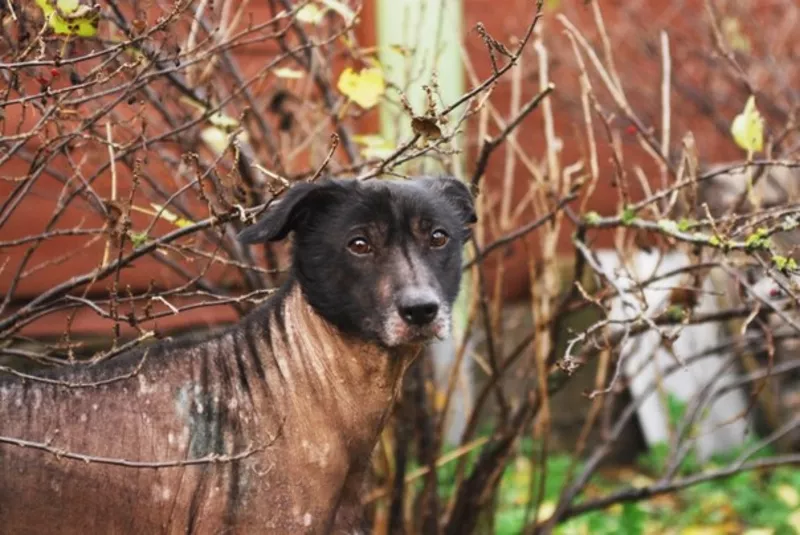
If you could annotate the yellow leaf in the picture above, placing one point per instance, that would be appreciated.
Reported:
(700, 530)
(374, 146)
(439, 399)
(640, 481)
(223, 121)
(794, 521)
(215, 138)
(729, 528)
(546, 510)
(732, 30)
(748, 127)
(341, 8)
(364, 87)
(616, 509)
(218, 138)
(287, 73)
(402, 50)
(311, 14)
(165, 214)
(218, 119)
(788, 495)
(70, 17)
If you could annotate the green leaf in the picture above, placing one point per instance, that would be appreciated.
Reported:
(592, 218)
(138, 239)
(676, 409)
(758, 240)
(70, 17)
(633, 518)
(676, 313)
(748, 127)
(685, 224)
(628, 215)
(783, 263)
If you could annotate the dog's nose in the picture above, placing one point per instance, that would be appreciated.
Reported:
(418, 309)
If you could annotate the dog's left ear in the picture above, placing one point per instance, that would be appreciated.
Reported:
(290, 212)
(457, 193)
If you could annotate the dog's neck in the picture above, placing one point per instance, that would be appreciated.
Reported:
(354, 382)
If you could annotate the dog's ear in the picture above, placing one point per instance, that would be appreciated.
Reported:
(457, 193)
(288, 213)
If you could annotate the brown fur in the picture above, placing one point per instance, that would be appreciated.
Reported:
(284, 381)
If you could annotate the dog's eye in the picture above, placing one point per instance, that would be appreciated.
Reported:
(439, 238)
(359, 246)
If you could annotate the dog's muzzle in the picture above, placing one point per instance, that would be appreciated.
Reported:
(418, 316)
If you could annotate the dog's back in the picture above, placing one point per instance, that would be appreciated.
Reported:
(267, 426)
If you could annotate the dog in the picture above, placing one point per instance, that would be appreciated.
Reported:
(268, 425)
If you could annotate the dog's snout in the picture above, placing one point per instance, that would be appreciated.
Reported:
(419, 313)
(418, 308)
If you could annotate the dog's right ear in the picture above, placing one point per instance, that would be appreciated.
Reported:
(456, 192)
(288, 213)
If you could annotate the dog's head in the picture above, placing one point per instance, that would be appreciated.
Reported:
(379, 259)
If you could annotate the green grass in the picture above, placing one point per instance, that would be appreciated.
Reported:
(768, 500)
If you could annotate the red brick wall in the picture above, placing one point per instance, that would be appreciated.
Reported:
(703, 77)
(66, 256)
(633, 28)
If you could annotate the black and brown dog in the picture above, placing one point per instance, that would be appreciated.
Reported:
(291, 400)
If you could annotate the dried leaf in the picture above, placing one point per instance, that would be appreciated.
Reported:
(364, 87)
(748, 127)
(139, 26)
(426, 127)
(70, 17)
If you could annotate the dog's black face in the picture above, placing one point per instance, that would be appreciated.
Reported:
(379, 259)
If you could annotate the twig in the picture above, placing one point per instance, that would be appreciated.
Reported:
(489, 145)
(126, 463)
